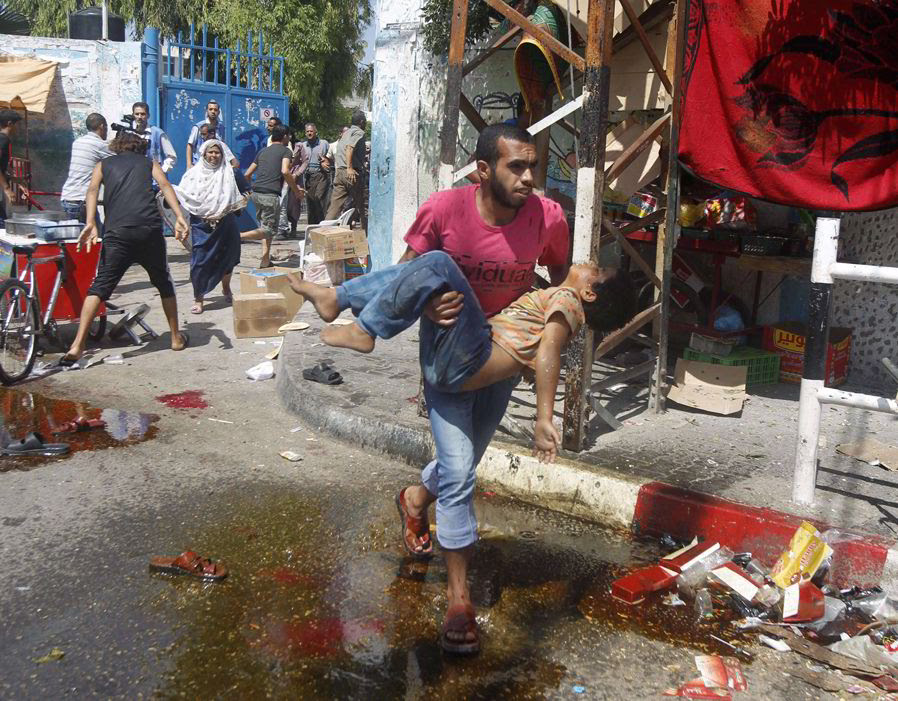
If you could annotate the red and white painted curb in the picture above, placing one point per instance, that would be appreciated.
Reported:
(622, 501)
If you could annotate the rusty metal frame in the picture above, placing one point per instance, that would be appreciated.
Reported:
(595, 66)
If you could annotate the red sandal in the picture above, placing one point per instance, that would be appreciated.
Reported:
(461, 621)
(190, 564)
(420, 530)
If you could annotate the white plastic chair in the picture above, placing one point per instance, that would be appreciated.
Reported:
(343, 220)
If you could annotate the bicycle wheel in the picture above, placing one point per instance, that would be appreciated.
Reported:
(18, 326)
(97, 328)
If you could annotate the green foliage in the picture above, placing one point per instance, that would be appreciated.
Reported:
(437, 20)
(320, 40)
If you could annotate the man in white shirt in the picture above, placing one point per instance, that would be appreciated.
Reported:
(87, 151)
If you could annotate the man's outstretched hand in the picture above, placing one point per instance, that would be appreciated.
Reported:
(546, 441)
(443, 310)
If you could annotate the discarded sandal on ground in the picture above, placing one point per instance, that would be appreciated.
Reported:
(323, 373)
(189, 564)
(461, 621)
(33, 444)
(420, 530)
(79, 424)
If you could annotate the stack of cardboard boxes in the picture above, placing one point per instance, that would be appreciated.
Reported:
(265, 303)
(344, 250)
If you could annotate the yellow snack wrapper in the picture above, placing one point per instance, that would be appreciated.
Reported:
(807, 550)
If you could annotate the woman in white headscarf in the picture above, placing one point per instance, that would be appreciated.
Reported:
(211, 191)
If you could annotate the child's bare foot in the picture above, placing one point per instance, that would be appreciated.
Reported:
(324, 299)
(180, 342)
(349, 336)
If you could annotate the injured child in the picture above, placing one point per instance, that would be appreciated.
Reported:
(475, 351)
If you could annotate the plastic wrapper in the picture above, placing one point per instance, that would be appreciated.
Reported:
(262, 371)
(735, 213)
(803, 557)
(704, 607)
(878, 606)
(864, 648)
(693, 578)
(691, 213)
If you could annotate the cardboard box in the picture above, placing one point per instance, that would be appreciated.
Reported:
(684, 558)
(718, 389)
(274, 281)
(788, 340)
(338, 242)
(259, 315)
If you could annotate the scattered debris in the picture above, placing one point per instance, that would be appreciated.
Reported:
(262, 371)
(221, 421)
(290, 455)
(341, 322)
(778, 645)
(53, 656)
(110, 360)
(717, 389)
(871, 451)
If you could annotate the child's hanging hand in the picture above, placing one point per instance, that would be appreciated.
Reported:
(546, 440)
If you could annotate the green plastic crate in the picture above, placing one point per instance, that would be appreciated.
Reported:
(763, 366)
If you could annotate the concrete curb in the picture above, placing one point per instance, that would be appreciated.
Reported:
(585, 490)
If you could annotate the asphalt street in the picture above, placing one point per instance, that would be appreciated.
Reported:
(319, 602)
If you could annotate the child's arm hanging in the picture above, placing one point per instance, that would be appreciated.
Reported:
(546, 439)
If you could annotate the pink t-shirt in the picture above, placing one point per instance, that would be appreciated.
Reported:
(497, 260)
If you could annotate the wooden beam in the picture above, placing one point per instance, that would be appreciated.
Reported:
(647, 45)
(467, 109)
(624, 375)
(540, 34)
(588, 216)
(569, 128)
(632, 252)
(669, 231)
(631, 153)
(615, 338)
(657, 13)
(491, 49)
(643, 222)
(449, 132)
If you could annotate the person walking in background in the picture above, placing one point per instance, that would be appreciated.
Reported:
(160, 149)
(133, 234)
(310, 159)
(211, 191)
(271, 169)
(8, 120)
(212, 127)
(349, 159)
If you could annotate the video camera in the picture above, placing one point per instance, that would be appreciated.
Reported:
(129, 127)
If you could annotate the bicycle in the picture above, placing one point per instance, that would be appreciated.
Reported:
(20, 321)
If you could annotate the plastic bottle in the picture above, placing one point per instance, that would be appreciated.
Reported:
(691, 580)
(704, 607)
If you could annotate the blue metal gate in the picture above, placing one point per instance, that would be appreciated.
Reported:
(247, 82)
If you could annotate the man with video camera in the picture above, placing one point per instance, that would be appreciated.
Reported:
(133, 233)
(160, 149)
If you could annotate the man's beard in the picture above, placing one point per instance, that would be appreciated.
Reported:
(502, 196)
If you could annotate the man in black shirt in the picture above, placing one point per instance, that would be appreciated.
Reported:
(8, 121)
(133, 233)
(271, 169)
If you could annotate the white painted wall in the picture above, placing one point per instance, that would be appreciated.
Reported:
(92, 76)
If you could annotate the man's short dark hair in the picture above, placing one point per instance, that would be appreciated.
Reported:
(140, 104)
(309, 124)
(212, 101)
(615, 302)
(276, 120)
(8, 116)
(488, 141)
(278, 133)
(126, 141)
(94, 121)
(358, 119)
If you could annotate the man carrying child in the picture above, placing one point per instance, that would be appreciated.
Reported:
(491, 236)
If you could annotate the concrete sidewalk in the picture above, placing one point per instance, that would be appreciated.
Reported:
(683, 472)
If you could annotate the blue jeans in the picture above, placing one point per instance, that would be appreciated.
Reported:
(77, 209)
(390, 300)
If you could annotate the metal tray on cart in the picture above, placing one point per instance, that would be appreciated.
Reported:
(40, 229)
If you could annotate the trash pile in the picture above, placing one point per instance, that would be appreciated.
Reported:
(793, 606)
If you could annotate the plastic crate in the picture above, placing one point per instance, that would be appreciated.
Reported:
(763, 367)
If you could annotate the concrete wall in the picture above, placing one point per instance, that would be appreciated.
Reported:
(92, 76)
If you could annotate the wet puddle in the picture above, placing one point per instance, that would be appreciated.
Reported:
(22, 412)
(320, 607)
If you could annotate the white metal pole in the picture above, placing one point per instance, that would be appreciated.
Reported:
(105, 21)
(826, 244)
